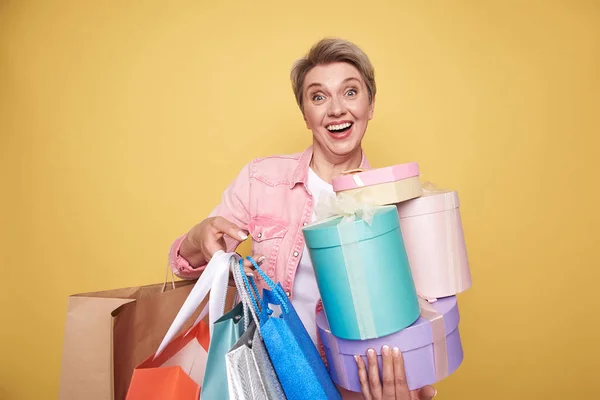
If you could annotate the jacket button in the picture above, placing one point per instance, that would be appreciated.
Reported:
(287, 293)
(259, 235)
(295, 254)
(306, 223)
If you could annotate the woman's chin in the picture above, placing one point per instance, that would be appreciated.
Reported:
(343, 149)
(338, 148)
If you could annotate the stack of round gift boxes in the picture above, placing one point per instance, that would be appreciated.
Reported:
(389, 275)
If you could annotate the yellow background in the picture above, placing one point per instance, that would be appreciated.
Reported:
(121, 123)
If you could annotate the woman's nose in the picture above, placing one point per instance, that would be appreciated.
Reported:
(336, 107)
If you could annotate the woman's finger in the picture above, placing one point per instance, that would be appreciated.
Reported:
(373, 373)
(425, 393)
(389, 392)
(249, 271)
(362, 377)
(400, 383)
(221, 225)
(249, 267)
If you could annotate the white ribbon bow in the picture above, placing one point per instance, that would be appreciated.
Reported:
(345, 205)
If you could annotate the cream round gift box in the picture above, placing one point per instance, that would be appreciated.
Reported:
(435, 244)
(431, 347)
(381, 186)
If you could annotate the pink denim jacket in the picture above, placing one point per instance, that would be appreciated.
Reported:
(270, 200)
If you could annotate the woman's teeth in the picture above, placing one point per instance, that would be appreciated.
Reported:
(340, 127)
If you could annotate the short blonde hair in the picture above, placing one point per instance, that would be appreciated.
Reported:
(330, 50)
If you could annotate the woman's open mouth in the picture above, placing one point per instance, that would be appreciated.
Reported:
(340, 131)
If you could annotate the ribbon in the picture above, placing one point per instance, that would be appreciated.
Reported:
(355, 177)
(438, 333)
(357, 280)
(331, 207)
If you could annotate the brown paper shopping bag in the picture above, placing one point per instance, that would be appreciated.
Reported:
(155, 378)
(108, 333)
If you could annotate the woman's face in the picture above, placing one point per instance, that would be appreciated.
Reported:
(336, 107)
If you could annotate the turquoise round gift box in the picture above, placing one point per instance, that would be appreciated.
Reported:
(363, 274)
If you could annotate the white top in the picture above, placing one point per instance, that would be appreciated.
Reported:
(306, 292)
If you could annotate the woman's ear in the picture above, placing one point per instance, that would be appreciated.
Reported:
(372, 108)
(306, 120)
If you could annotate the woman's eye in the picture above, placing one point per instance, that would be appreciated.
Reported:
(351, 92)
(318, 97)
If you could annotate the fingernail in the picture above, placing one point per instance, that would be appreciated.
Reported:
(371, 352)
(386, 350)
(427, 392)
(356, 358)
(242, 235)
(250, 274)
(261, 259)
(396, 351)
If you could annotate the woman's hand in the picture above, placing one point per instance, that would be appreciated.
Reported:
(394, 378)
(208, 237)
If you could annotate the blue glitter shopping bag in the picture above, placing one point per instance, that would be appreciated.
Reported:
(294, 356)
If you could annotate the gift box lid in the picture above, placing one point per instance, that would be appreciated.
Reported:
(325, 233)
(430, 202)
(358, 178)
(417, 335)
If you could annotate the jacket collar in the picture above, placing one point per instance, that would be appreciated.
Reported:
(300, 174)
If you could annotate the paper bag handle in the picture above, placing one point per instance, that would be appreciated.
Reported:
(214, 278)
(167, 277)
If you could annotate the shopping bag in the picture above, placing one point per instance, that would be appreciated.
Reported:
(290, 347)
(226, 332)
(194, 361)
(177, 372)
(250, 373)
(108, 333)
(214, 279)
(167, 383)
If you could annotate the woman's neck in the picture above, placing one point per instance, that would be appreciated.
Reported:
(328, 167)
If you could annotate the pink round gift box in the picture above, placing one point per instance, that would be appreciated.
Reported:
(376, 176)
(435, 244)
(415, 343)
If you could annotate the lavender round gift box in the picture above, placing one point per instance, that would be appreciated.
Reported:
(415, 342)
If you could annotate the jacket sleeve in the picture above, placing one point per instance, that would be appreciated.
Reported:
(234, 207)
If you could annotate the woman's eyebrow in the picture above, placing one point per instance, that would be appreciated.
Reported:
(351, 79)
(313, 85)
(316, 84)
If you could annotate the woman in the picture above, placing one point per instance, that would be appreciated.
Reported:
(273, 198)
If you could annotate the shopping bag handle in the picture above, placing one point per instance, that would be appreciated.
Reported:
(167, 278)
(246, 297)
(276, 289)
(214, 278)
(252, 292)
